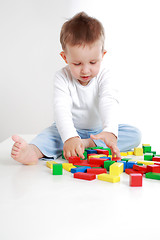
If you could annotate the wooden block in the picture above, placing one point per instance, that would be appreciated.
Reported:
(152, 175)
(145, 162)
(108, 178)
(153, 168)
(130, 153)
(85, 176)
(74, 160)
(68, 166)
(136, 180)
(138, 151)
(96, 170)
(123, 154)
(50, 164)
(116, 168)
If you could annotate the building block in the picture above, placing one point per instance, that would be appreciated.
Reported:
(138, 151)
(156, 159)
(124, 165)
(145, 145)
(108, 149)
(50, 164)
(152, 175)
(96, 156)
(107, 158)
(136, 180)
(130, 153)
(57, 169)
(102, 151)
(116, 159)
(84, 176)
(126, 159)
(116, 169)
(108, 178)
(96, 170)
(146, 149)
(145, 162)
(91, 151)
(99, 161)
(68, 166)
(107, 164)
(130, 170)
(148, 156)
(153, 168)
(74, 160)
(79, 169)
(141, 169)
(123, 154)
(130, 164)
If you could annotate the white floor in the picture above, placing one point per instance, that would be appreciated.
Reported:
(34, 204)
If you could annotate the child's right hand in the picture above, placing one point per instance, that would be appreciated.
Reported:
(72, 147)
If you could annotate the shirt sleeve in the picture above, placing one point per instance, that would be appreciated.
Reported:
(108, 103)
(62, 107)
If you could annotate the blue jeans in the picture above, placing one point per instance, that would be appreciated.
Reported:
(50, 143)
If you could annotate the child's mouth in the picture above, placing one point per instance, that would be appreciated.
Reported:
(85, 77)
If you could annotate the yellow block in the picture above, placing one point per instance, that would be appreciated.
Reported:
(138, 151)
(145, 145)
(97, 156)
(123, 154)
(130, 153)
(108, 178)
(116, 168)
(110, 156)
(50, 164)
(145, 162)
(68, 166)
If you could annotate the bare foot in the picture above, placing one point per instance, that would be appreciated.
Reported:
(23, 152)
(88, 143)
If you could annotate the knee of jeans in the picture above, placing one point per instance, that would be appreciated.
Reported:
(137, 136)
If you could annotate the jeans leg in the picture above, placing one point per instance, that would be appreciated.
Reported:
(49, 142)
(128, 137)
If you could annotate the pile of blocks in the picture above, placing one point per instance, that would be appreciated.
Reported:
(100, 164)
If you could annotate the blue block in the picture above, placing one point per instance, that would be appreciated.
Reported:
(107, 158)
(124, 165)
(91, 151)
(130, 164)
(79, 169)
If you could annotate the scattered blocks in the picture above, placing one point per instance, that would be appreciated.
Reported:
(153, 168)
(96, 170)
(79, 169)
(108, 178)
(135, 180)
(141, 169)
(68, 166)
(84, 176)
(74, 160)
(116, 168)
(138, 151)
(145, 162)
(57, 169)
(107, 164)
(130, 164)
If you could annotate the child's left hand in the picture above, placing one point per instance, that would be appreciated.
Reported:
(110, 140)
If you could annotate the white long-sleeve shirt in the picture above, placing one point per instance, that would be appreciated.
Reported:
(84, 107)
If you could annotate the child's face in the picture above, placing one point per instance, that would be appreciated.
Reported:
(84, 61)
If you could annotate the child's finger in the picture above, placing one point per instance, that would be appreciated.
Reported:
(80, 152)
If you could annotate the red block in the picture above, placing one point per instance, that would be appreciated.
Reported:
(141, 169)
(85, 176)
(153, 168)
(74, 160)
(129, 171)
(156, 159)
(136, 180)
(96, 170)
(116, 159)
(101, 151)
(98, 161)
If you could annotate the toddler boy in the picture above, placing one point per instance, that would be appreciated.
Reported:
(85, 105)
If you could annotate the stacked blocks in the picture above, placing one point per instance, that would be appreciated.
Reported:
(101, 165)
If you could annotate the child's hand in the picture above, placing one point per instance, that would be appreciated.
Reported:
(72, 147)
(110, 140)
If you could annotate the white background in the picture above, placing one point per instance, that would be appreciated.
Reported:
(29, 56)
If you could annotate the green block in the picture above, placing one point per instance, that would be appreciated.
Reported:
(107, 164)
(152, 175)
(140, 164)
(97, 148)
(85, 155)
(126, 159)
(57, 169)
(63, 155)
(154, 153)
(148, 156)
(146, 149)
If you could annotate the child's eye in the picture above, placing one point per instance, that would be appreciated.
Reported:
(76, 64)
(92, 62)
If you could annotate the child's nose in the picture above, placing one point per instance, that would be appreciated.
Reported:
(85, 69)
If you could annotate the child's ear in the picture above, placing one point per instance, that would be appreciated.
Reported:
(63, 55)
(104, 52)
